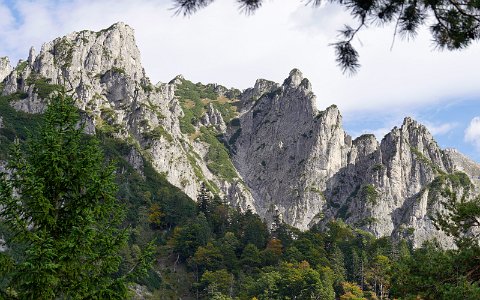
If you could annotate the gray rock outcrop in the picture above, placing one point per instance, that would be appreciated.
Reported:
(299, 162)
(103, 70)
(287, 149)
(214, 118)
(290, 159)
(5, 68)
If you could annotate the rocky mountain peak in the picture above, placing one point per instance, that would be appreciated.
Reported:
(90, 53)
(295, 98)
(31, 56)
(263, 86)
(288, 157)
(416, 130)
(295, 80)
(87, 62)
(283, 136)
(332, 115)
(177, 80)
(410, 124)
(5, 68)
(104, 71)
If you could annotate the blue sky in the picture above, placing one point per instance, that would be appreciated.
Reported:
(221, 45)
(447, 121)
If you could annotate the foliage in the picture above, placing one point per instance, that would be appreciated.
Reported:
(42, 86)
(195, 98)
(292, 281)
(212, 249)
(378, 275)
(155, 217)
(186, 239)
(218, 159)
(453, 24)
(16, 124)
(208, 257)
(137, 191)
(351, 291)
(217, 282)
(251, 262)
(444, 183)
(190, 96)
(21, 66)
(195, 92)
(433, 273)
(64, 212)
(157, 133)
(462, 221)
(226, 109)
(369, 194)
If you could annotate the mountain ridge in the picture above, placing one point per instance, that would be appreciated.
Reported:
(266, 148)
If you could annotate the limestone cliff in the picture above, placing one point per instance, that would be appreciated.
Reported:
(267, 148)
(287, 150)
(5, 68)
(103, 71)
(299, 162)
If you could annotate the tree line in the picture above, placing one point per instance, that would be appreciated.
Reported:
(75, 229)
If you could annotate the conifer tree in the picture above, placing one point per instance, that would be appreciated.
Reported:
(203, 199)
(58, 202)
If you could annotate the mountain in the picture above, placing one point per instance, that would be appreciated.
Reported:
(267, 148)
(300, 162)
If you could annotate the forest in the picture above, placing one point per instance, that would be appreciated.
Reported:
(80, 222)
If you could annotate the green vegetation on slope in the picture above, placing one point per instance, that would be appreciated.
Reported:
(441, 185)
(15, 124)
(369, 194)
(43, 87)
(195, 98)
(218, 160)
(59, 204)
(212, 251)
(136, 192)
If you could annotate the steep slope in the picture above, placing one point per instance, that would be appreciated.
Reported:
(391, 187)
(287, 150)
(300, 163)
(267, 148)
(5, 67)
(103, 70)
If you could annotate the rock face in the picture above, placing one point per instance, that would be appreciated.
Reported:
(287, 149)
(5, 67)
(299, 161)
(104, 71)
(288, 157)
(214, 118)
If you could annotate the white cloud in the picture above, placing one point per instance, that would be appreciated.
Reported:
(6, 18)
(472, 133)
(381, 132)
(440, 129)
(219, 44)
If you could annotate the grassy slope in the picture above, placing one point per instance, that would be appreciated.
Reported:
(194, 99)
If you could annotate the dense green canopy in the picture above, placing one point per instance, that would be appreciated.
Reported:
(59, 205)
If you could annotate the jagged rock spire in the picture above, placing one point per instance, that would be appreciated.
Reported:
(5, 68)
